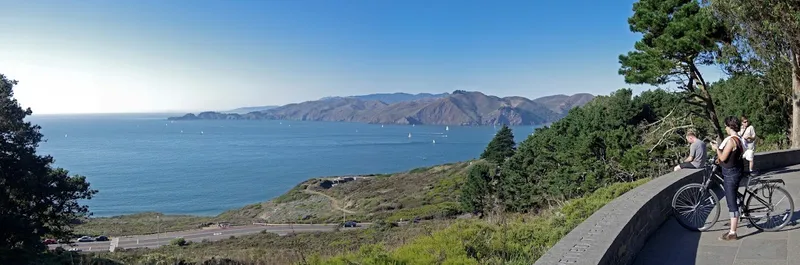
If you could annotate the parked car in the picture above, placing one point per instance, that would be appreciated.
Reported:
(50, 241)
(74, 250)
(101, 238)
(350, 224)
(85, 239)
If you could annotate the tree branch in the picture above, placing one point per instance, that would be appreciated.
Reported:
(662, 119)
(667, 132)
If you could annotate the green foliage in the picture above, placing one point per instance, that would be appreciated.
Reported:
(178, 242)
(501, 146)
(140, 224)
(36, 200)
(767, 45)
(600, 143)
(272, 249)
(418, 170)
(521, 241)
(478, 191)
(295, 194)
(748, 94)
(677, 37)
(428, 211)
(769, 29)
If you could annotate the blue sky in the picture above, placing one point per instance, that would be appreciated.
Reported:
(181, 55)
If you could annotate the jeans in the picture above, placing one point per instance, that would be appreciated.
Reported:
(731, 184)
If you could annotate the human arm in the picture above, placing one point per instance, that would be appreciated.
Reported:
(692, 153)
(750, 134)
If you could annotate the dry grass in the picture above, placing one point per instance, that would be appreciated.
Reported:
(427, 193)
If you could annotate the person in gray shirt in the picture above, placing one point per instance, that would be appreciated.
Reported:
(697, 153)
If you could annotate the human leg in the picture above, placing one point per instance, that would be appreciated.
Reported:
(750, 156)
(731, 185)
(684, 165)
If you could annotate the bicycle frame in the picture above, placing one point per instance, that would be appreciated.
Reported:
(712, 169)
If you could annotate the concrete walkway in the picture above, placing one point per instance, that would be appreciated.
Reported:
(672, 244)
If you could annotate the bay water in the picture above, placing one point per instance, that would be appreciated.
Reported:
(142, 162)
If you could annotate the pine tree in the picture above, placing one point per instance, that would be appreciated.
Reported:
(477, 194)
(501, 147)
(36, 200)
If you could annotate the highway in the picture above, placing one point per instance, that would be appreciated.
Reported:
(212, 234)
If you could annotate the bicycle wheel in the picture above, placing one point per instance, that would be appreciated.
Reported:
(695, 207)
(770, 208)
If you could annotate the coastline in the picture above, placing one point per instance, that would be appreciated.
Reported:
(144, 223)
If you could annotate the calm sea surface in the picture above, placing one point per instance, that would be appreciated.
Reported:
(145, 163)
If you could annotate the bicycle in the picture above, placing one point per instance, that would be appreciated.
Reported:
(689, 214)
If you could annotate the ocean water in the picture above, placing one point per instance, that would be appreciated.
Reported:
(146, 163)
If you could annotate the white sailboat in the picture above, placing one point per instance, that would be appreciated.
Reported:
(447, 128)
(409, 135)
(434, 141)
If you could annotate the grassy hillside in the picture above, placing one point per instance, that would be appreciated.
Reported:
(423, 192)
(522, 239)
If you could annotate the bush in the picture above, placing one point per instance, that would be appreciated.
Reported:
(520, 241)
(382, 225)
(178, 242)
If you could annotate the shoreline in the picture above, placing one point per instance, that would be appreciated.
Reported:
(168, 215)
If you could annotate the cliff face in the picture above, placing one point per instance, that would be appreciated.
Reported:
(458, 108)
(563, 103)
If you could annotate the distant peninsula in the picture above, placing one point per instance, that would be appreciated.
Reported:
(457, 108)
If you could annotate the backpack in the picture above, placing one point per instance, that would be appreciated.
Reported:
(738, 154)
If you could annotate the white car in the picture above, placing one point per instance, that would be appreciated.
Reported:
(85, 239)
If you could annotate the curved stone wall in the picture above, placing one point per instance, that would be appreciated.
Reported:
(615, 233)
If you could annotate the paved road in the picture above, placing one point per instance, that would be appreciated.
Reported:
(672, 244)
(152, 241)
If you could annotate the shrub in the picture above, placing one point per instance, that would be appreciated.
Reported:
(178, 242)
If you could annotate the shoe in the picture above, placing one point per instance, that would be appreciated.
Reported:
(727, 236)
(754, 173)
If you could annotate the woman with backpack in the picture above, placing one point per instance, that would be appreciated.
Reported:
(729, 157)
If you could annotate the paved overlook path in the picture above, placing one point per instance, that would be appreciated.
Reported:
(672, 244)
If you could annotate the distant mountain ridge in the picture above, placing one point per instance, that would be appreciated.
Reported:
(457, 108)
(390, 98)
(244, 110)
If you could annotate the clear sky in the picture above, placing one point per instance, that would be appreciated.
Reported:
(104, 56)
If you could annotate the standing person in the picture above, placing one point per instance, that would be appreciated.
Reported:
(729, 157)
(748, 134)
(697, 153)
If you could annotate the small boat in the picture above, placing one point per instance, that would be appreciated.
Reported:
(434, 141)
(409, 135)
(447, 128)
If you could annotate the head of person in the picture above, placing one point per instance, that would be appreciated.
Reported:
(691, 136)
(745, 121)
(732, 125)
